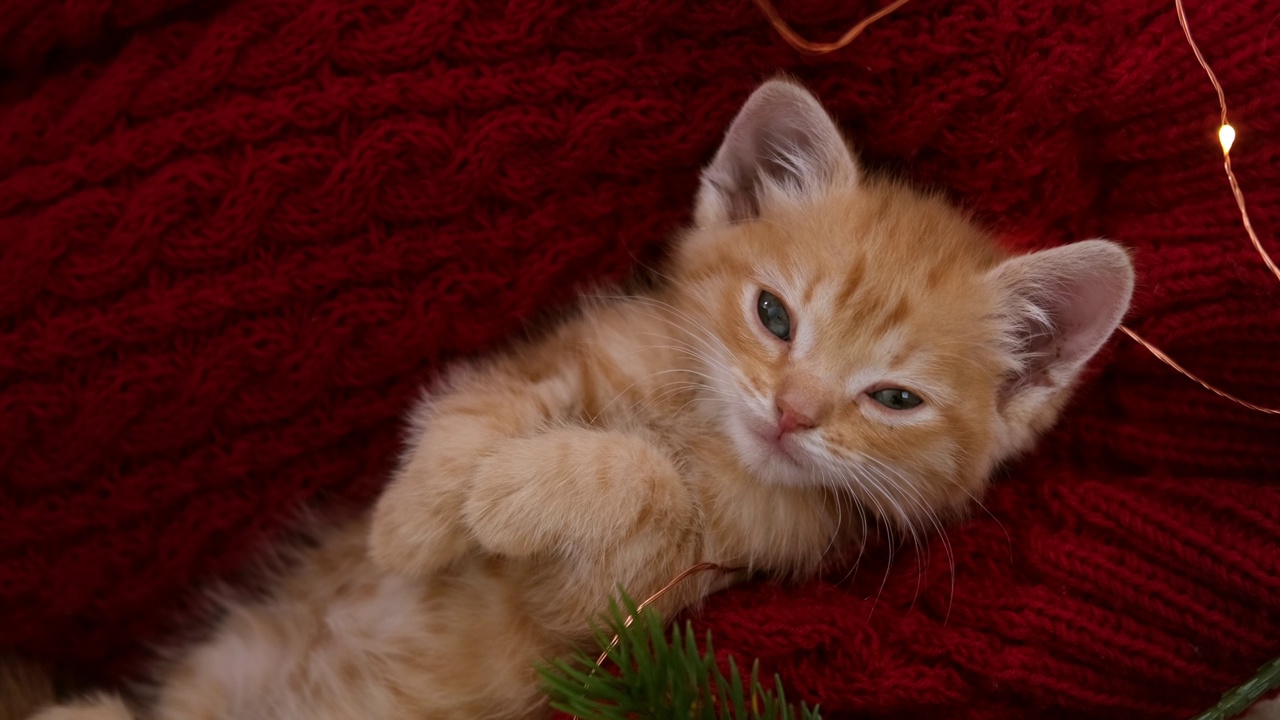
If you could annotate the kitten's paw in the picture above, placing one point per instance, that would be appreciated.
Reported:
(415, 538)
(570, 488)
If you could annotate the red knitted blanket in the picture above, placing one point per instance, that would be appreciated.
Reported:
(236, 236)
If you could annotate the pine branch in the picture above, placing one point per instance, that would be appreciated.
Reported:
(654, 676)
(1240, 698)
(651, 675)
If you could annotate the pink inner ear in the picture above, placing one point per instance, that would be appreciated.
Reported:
(1064, 303)
(1089, 310)
(782, 135)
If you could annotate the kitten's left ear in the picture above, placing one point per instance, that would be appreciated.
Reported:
(782, 145)
(1057, 308)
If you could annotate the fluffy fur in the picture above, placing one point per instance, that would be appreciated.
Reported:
(655, 430)
(24, 688)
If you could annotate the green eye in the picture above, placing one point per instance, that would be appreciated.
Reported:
(897, 398)
(774, 315)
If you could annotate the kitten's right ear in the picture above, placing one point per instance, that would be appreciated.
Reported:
(782, 146)
(1057, 308)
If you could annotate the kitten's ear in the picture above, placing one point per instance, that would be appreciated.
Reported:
(1057, 308)
(782, 145)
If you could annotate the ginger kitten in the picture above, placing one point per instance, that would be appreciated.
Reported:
(820, 339)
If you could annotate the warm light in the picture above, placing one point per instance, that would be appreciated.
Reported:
(1226, 136)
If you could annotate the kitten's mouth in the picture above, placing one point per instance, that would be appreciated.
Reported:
(780, 443)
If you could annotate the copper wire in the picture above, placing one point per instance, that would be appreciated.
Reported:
(693, 570)
(1171, 363)
(794, 39)
(1226, 150)
(1244, 217)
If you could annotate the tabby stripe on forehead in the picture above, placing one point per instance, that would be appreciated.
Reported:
(901, 309)
(852, 281)
(867, 310)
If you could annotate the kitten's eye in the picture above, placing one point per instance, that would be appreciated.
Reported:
(896, 398)
(774, 315)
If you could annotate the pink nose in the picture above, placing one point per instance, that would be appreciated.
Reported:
(791, 419)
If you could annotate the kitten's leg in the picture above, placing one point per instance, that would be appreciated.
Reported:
(607, 510)
(416, 526)
(500, 462)
(579, 489)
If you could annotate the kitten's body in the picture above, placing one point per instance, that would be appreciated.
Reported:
(344, 639)
(651, 432)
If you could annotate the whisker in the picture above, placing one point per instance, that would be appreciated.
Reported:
(844, 473)
(1007, 538)
(932, 517)
(665, 391)
(921, 558)
(622, 392)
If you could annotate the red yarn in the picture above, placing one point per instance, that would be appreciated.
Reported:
(233, 243)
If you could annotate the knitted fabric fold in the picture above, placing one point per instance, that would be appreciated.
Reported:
(237, 237)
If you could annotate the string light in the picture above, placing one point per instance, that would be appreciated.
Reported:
(1226, 137)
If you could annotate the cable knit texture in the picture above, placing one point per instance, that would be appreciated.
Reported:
(235, 237)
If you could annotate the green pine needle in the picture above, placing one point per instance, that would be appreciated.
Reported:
(651, 675)
(1241, 697)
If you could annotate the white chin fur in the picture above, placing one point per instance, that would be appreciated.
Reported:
(766, 463)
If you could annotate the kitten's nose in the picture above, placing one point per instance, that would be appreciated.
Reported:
(802, 404)
(791, 417)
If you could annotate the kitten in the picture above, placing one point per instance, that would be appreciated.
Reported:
(822, 338)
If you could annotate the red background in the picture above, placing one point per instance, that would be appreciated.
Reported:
(236, 236)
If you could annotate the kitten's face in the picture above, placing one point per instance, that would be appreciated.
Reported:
(856, 334)
(871, 361)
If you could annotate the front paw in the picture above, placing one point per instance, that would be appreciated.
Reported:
(571, 488)
(416, 527)
(414, 539)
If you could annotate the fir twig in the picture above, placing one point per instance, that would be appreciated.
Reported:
(660, 678)
(656, 676)
(1242, 697)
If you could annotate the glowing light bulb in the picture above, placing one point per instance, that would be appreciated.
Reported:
(1226, 136)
